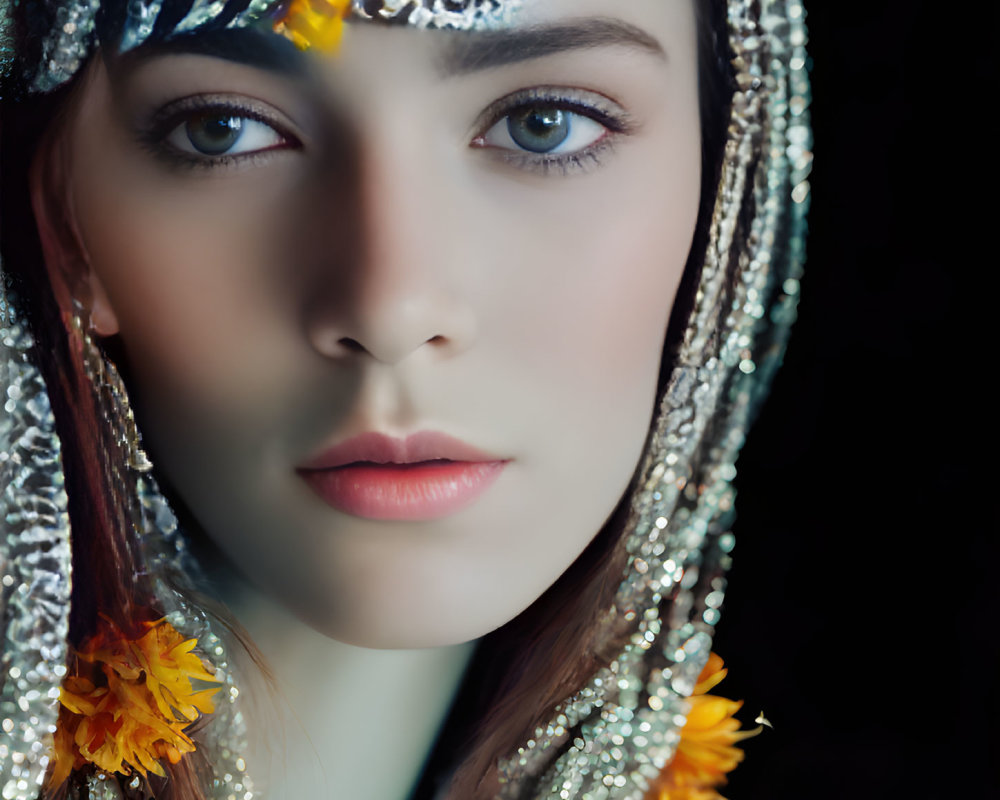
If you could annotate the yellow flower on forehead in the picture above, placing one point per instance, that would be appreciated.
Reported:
(131, 709)
(314, 24)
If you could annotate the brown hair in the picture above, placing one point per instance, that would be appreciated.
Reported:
(520, 671)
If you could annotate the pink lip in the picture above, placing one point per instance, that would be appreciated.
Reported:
(422, 477)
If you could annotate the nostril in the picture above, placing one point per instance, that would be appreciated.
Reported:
(387, 349)
(351, 345)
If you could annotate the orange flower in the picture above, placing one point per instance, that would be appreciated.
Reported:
(130, 711)
(314, 24)
(706, 751)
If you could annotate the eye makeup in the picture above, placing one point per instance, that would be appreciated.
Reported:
(516, 130)
(548, 104)
(169, 133)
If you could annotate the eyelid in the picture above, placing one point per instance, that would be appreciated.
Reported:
(166, 119)
(580, 101)
(598, 107)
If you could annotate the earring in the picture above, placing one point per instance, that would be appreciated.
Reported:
(110, 395)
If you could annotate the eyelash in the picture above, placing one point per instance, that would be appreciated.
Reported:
(615, 119)
(155, 136)
(598, 108)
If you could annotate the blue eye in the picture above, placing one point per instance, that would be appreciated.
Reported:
(544, 128)
(215, 133)
(553, 130)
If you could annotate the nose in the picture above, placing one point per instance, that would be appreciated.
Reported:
(394, 325)
(400, 287)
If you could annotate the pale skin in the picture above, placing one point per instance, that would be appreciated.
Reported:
(384, 258)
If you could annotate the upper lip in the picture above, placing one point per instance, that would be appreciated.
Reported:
(379, 448)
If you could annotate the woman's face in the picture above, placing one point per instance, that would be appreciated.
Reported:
(395, 322)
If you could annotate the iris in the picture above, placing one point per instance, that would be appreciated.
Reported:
(213, 134)
(539, 129)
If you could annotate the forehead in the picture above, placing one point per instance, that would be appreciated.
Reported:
(317, 24)
(531, 29)
(123, 27)
(306, 22)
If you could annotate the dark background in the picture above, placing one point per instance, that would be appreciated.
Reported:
(861, 612)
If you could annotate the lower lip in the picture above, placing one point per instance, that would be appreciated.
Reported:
(416, 492)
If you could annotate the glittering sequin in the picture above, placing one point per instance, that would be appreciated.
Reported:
(69, 44)
(140, 17)
(34, 566)
(462, 15)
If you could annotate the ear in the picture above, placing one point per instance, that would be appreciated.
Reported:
(73, 279)
(102, 315)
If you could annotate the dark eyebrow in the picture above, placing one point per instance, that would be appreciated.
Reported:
(242, 46)
(467, 53)
(463, 53)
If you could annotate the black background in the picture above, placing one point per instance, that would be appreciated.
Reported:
(861, 612)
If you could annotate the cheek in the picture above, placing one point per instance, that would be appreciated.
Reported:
(605, 264)
(194, 276)
(612, 313)
(593, 276)
(194, 288)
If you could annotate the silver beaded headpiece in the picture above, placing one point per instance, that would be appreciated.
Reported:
(460, 15)
(73, 30)
(613, 737)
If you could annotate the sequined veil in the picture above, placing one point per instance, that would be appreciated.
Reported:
(613, 737)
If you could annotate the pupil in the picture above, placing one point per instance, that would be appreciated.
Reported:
(543, 122)
(539, 129)
(213, 134)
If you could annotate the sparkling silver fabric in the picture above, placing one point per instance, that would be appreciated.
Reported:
(462, 15)
(72, 26)
(34, 566)
(613, 737)
(140, 17)
(143, 14)
(69, 44)
(102, 787)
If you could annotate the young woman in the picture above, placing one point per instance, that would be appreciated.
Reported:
(395, 305)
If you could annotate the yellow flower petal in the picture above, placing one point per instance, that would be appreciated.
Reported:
(711, 675)
(708, 711)
(130, 711)
(65, 758)
(314, 24)
(706, 752)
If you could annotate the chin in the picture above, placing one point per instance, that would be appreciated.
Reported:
(400, 623)
(401, 633)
